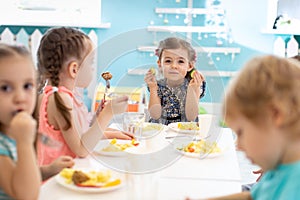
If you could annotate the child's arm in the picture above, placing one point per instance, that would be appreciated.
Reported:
(56, 166)
(192, 96)
(83, 143)
(21, 180)
(111, 133)
(237, 196)
(154, 106)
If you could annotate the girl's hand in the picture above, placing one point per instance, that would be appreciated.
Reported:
(196, 81)
(117, 105)
(113, 133)
(150, 79)
(60, 163)
(56, 166)
(23, 128)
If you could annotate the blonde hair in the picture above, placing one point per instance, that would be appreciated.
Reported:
(263, 82)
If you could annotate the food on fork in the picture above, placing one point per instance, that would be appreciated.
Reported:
(106, 76)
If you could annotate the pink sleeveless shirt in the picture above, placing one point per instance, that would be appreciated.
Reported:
(48, 153)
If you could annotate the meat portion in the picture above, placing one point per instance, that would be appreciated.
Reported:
(79, 177)
(106, 76)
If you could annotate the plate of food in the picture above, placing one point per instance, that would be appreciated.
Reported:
(151, 129)
(115, 147)
(185, 127)
(200, 149)
(90, 181)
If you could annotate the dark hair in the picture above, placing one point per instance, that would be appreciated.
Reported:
(57, 46)
(176, 43)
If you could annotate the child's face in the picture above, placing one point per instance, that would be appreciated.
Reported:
(86, 70)
(263, 143)
(17, 87)
(175, 64)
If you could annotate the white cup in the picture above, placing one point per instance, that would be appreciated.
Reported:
(205, 123)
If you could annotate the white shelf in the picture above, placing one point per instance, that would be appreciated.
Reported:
(187, 29)
(281, 31)
(199, 49)
(197, 11)
(205, 73)
(48, 13)
(219, 73)
(80, 25)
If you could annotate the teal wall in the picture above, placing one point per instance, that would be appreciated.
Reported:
(129, 20)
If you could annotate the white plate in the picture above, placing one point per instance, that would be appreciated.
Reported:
(183, 142)
(201, 155)
(174, 127)
(62, 181)
(105, 143)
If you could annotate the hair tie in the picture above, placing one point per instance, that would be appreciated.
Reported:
(54, 89)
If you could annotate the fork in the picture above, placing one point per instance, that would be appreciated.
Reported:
(101, 104)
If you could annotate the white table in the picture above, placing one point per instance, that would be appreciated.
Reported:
(185, 177)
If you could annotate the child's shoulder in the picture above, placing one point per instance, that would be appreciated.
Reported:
(66, 98)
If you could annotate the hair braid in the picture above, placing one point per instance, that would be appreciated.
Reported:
(57, 46)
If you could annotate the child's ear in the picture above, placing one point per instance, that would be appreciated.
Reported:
(191, 66)
(277, 116)
(73, 68)
(158, 63)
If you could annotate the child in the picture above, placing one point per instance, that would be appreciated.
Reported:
(65, 57)
(176, 97)
(262, 107)
(19, 172)
(20, 175)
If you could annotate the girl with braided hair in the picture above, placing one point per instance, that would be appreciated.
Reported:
(176, 97)
(65, 57)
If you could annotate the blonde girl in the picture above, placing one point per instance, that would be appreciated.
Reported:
(65, 58)
(19, 173)
(176, 97)
(262, 107)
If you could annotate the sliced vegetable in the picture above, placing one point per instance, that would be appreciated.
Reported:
(152, 69)
(112, 183)
(88, 186)
(193, 73)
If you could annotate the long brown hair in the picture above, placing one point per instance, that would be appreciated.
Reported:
(57, 46)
